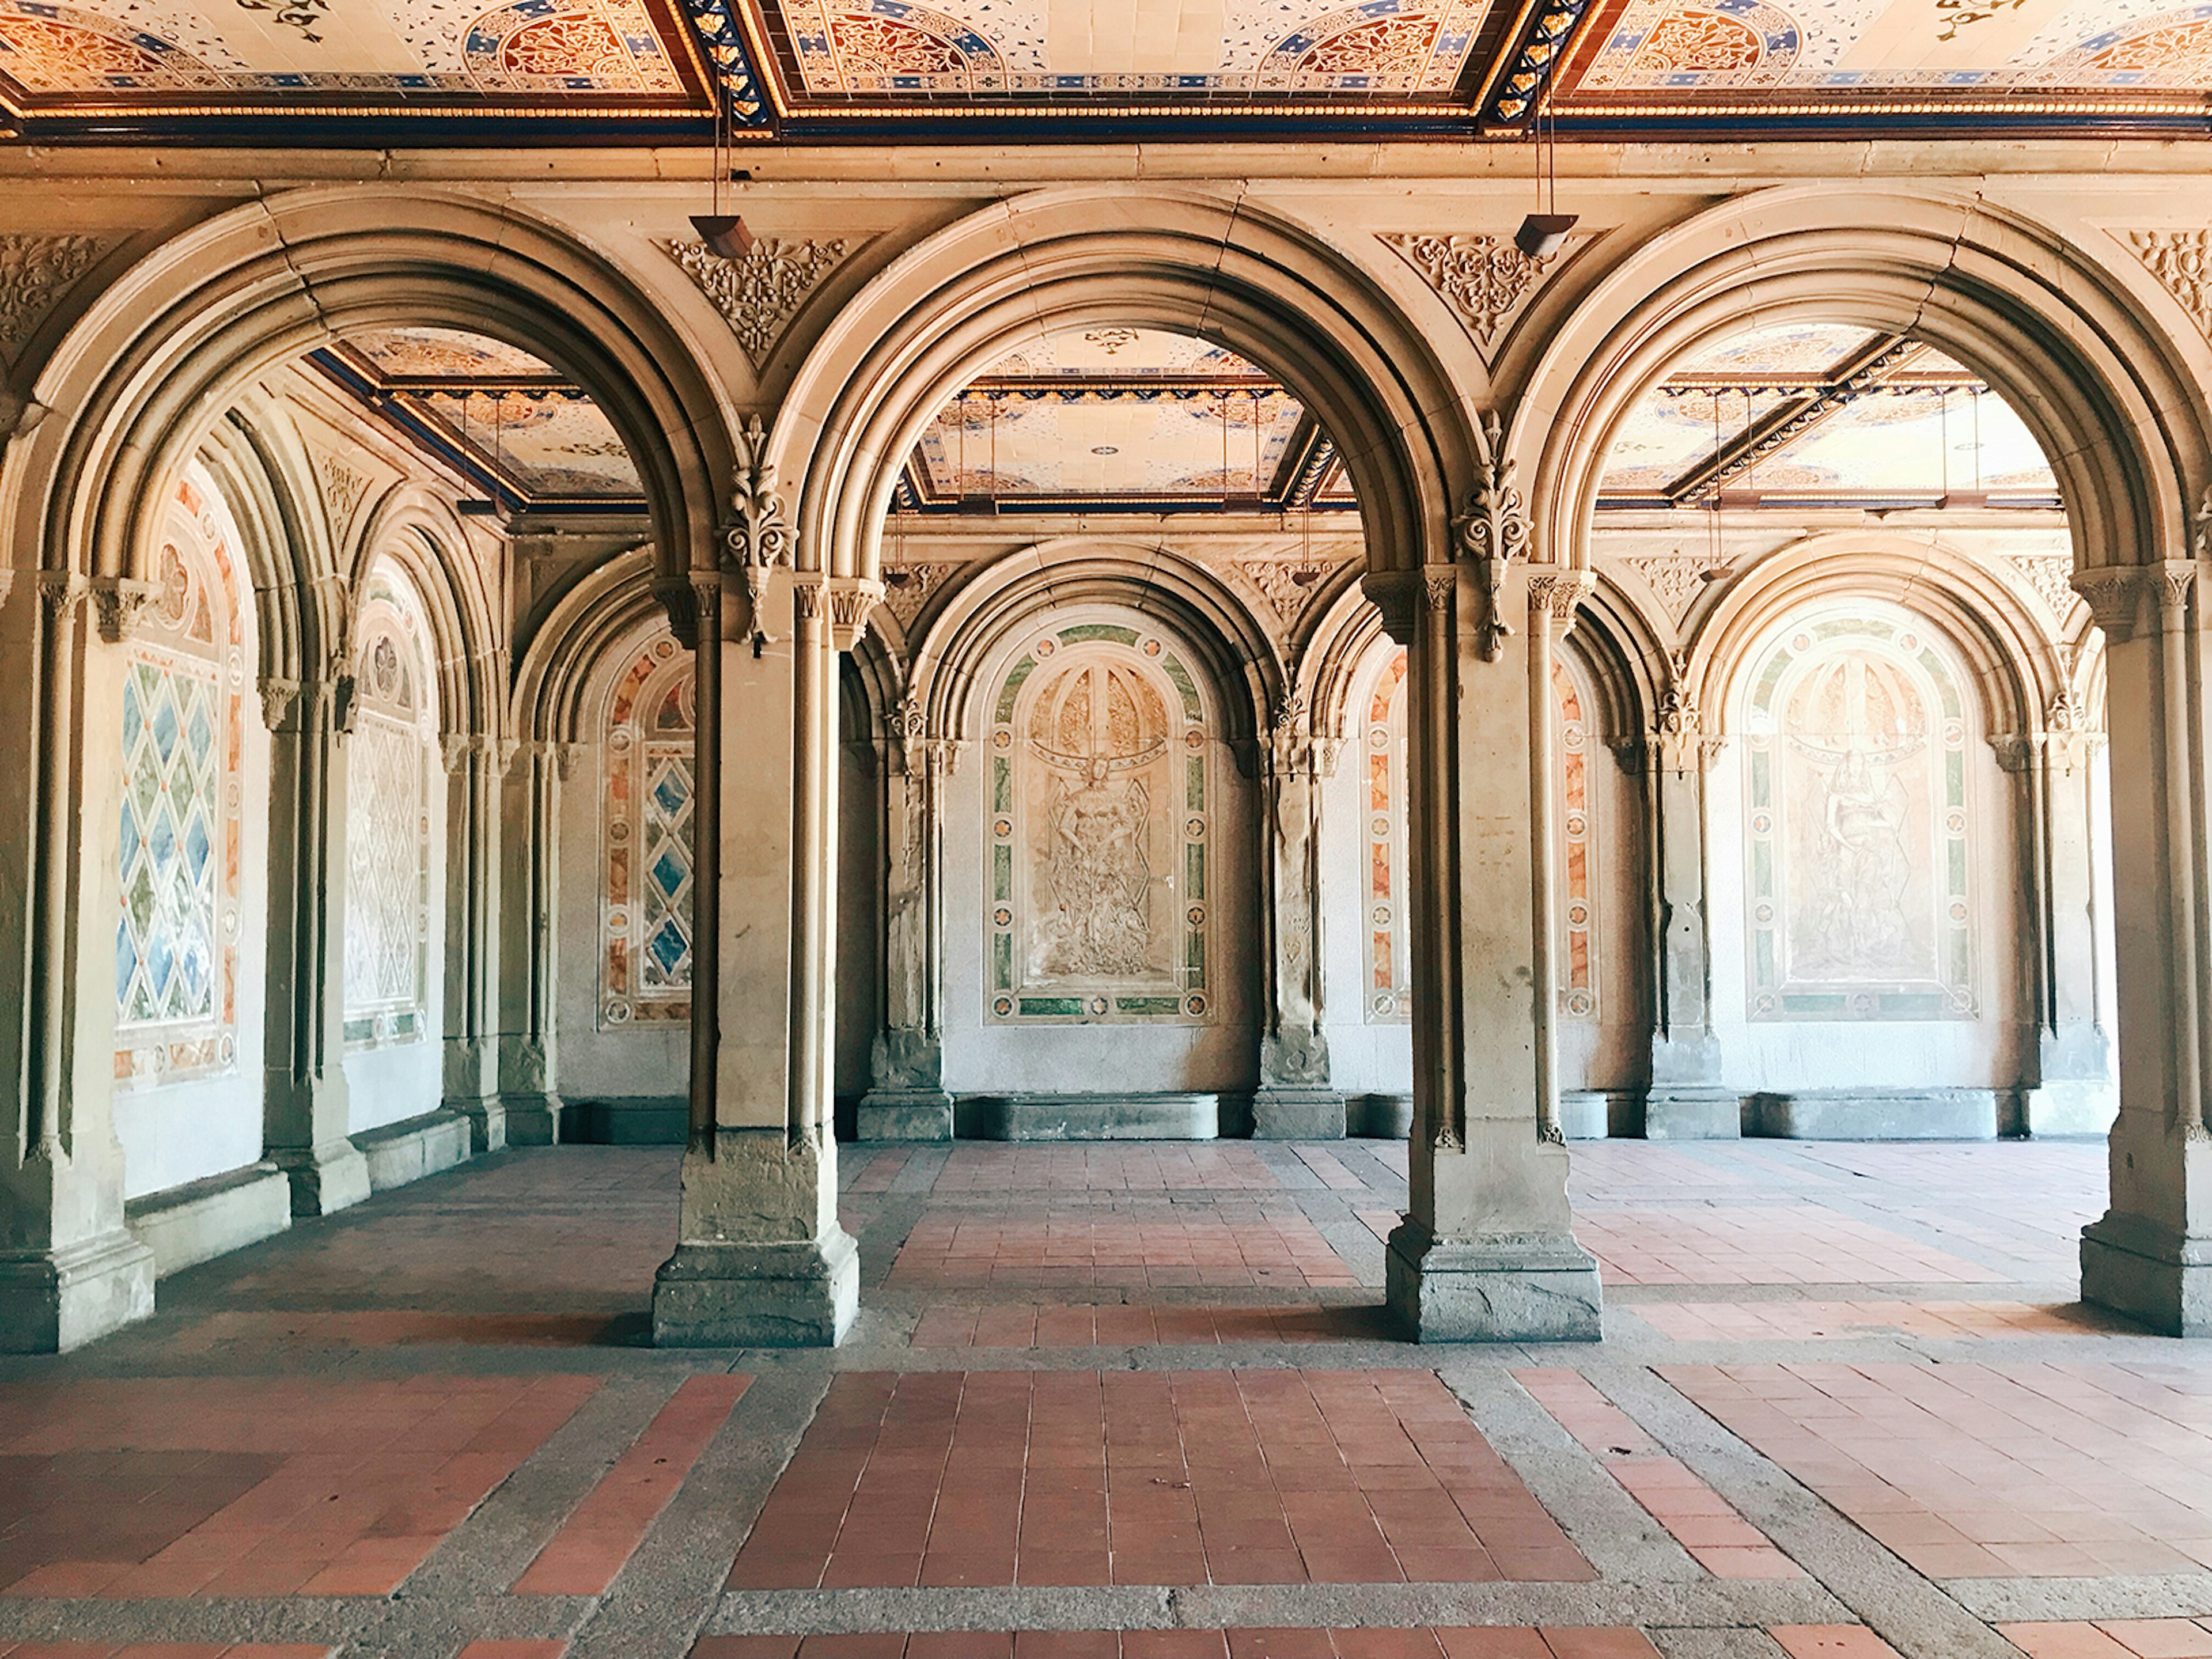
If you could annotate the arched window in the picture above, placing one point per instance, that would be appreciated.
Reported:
(646, 889)
(1097, 832)
(1388, 944)
(388, 758)
(178, 847)
(1856, 822)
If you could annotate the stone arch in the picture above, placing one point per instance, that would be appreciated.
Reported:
(2103, 388)
(192, 324)
(1246, 673)
(1223, 270)
(555, 680)
(417, 530)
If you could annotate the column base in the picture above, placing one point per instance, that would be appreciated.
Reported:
(324, 1179)
(1509, 1287)
(905, 1114)
(51, 1301)
(717, 1295)
(1693, 1115)
(2148, 1271)
(2069, 1106)
(531, 1120)
(487, 1116)
(1297, 1115)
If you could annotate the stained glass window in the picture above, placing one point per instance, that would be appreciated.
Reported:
(388, 840)
(646, 905)
(178, 831)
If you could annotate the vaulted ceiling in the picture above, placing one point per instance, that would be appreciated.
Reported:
(629, 72)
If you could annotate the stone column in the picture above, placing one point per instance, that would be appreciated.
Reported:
(69, 1269)
(472, 909)
(1487, 1249)
(529, 859)
(1294, 1101)
(760, 1260)
(1685, 1100)
(2066, 1086)
(2150, 1255)
(906, 1098)
(304, 1105)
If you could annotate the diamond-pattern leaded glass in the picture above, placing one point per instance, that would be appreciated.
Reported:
(646, 899)
(165, 950)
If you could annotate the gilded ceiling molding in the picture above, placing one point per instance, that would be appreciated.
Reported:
(1484, 280)
(35, 273)
(759, 294)
(2182, 262)
(1676, 578)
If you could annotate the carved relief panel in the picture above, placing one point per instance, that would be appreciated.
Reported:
(388, 759)
(645, 909)
(1857, 821)
(1098, 833)
(178, 843)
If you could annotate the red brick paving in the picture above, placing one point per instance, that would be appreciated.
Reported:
(1700, 1519)
(1147, 1478)
(1801, 1321)
(1016, 1171)
(1469, 1641)
(604, 1531)
(358, 1481)
(1219, 1247)
(2113, 1638)
(1059, 1325)
(1761, 1244)
(1990, 1471)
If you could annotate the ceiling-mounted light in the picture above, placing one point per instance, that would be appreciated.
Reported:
(724, 234)
(1543, 233)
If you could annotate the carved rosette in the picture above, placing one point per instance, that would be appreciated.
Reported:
(36, 274)
(759, 294)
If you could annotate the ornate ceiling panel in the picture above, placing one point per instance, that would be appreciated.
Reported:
(1117, 417)
(1834, 416)
(635, 71)
(509, 423)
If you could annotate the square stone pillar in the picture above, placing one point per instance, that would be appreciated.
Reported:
(472, 909)
(1487, 1250)
(305, 1116)
(69, 1269)
(1294, 1101)
(906, 1098)
(528, 849)
(2150, 1255)
(1687, 1099)
(761, 1261)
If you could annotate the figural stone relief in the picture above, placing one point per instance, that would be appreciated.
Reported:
(1096, 834)
(1856, 819)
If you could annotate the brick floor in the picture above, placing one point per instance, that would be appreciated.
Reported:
(1153, 1251)
(1802, 1321)
(1991, 1471)
(1136, 1478)
(1761, 1244)
(1144, 1167)
(263, 1486)
(1487, 1641)
(2113, 1638)
(1058, 1325)
(1703, 1522)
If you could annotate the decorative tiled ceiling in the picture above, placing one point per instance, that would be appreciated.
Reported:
(1123, 417)
(510, 425)
(1825, 415)
(632, 71)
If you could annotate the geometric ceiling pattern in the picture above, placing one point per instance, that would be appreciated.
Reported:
(518, 432)
(1129, 418)
(632, 71)
(1817, 415)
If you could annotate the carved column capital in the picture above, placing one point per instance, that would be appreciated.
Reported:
(58, 594)
(853, 600)
(2119, 596)
(1397, 595)
(1553, 594)
(280, 704)
(118, 602)
(458, 749)
(1678, 740)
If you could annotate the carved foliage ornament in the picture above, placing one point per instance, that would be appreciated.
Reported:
(2182, 262)
(759, 537)
(1482, 279)
(35, 272)
(1676, 578)
(1494, 529)
(1289, 587)
(759, 294)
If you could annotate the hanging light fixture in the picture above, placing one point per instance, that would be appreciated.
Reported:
(476, 507)
(724, 233)
(1543, 233)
